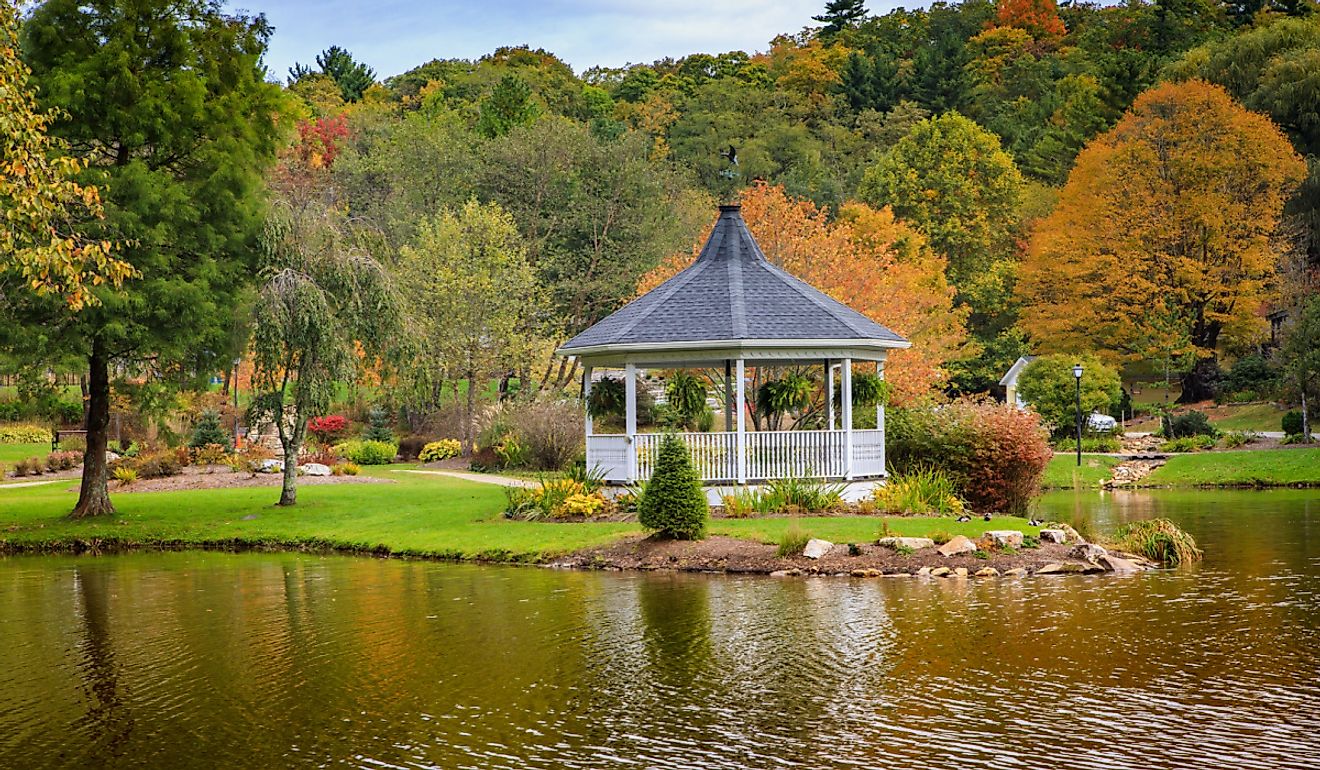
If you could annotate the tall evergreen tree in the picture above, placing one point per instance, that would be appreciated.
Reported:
(840, 15)
(352, 77)
(166, 102)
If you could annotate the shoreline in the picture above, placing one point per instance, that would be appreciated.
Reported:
(717, 554)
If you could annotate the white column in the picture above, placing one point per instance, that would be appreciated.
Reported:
(742, 421)
(586, 400)
(880, 417)
(630, 417)
(829, 393)
(846, 398)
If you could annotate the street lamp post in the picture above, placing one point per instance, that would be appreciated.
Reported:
(234, 385)
(1077, 375)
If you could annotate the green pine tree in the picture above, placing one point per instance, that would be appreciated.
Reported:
(674, 504)
(378, 426)
(840, 15)
(208, 431)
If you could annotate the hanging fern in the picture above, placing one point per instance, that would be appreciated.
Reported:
(790, 393)
(608, 398)
(686, 395)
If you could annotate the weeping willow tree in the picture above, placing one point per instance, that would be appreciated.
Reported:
(324, 308)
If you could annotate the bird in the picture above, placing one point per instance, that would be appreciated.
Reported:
(964, 518)
(987, 517)
(1032, 522)
(730, 155)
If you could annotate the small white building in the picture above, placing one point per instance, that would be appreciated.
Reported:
(1010, 380)
(732, 309)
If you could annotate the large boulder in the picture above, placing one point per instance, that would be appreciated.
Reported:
(271, 465)
(1062, 569)
(958, 545)
(1053, 536)
(314, 469)
(1088, 552)
(915, 543)
(1001, 538)
(817, 548)
(1117, 564)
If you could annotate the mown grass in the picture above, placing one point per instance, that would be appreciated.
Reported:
(13, 453)
(1063, 473)
(418, 515)
(1270, 467)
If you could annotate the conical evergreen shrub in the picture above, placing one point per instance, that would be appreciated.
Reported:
(378, 427)
(208, 431)
(673, 503)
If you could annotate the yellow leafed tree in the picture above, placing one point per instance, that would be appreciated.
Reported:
(1163, 241)
(865, 259)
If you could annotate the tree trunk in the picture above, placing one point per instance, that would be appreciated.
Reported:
(1198, 383)
(289, 491)
(468, 411)
(93, 494)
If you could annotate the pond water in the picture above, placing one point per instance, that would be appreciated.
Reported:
(256, 660)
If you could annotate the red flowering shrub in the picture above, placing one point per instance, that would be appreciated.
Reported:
(328, 429)
(995, 454)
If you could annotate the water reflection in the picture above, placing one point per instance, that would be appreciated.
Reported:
(183, 660)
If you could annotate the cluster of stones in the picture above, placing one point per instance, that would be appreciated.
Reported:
(1088, 557)
(1130, 472)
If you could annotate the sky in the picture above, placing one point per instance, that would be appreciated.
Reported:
(393, 36)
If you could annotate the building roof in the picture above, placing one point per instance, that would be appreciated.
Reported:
(1016, 369)
(731, 294)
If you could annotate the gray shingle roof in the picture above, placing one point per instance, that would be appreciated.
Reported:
(731, 292)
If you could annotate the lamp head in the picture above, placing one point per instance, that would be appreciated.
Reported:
(1077, 371)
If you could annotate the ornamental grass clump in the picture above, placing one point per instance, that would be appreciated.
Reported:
(922, 491)
(793, 542)
(674, 504)
(1159, 540)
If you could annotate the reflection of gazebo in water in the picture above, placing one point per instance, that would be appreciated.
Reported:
(732, 309)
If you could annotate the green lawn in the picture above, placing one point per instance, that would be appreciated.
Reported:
(1063, 473)
(1272, 467)
(13, 453)
(418, 516)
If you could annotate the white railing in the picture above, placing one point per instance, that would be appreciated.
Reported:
(770, 454)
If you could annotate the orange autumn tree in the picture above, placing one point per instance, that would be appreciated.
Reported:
(1040, 18)
(865, 259)
(1163, 240)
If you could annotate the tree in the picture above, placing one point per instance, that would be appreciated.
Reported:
(1040, 18)
(673, 503)
(949, 178)
(184, 186)
(322, 299)
(1300, 359)
(840, 15)
(474, 295)
(1159, 245)
(41, 200)
(511, 104)
(208, 431)
(865, 259)
(1048, 385)
(352, 77)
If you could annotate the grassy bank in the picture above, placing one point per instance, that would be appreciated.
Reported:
(1270, 467)
(15, 453)
(1063, 472)
(421, 516)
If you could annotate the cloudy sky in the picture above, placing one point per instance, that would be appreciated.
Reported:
(395, 35)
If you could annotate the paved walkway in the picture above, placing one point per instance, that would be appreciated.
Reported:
(480, 478)
(16, 485)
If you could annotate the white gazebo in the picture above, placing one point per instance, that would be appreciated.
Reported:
(732, 309)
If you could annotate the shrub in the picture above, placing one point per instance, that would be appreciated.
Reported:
(328, 429)
(1291, 423)
(793, 541)
(22, 468)
(125, 475)
(742, 503)
(1249, 374)
(940, 536)
(208, 431)
(510, 452)
(155, 465)
(994, 455)
(24, 433)
(549, 433)
(1049, 386)
(440, 450)
(1089, 444)
(1188, 444)
(582, 504)
(555, 498)
(345, 469)
(674, 504)
(211, 454)
(1159, 540)
(378, 428)
(799, 494)
(1236, 438)
(591, 479)
(62, 461)
(1296, 438)
(368, 452)
(1191, 423)
(920, 492)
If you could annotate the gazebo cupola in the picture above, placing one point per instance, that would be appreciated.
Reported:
(732, 308)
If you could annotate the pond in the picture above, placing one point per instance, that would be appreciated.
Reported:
(269, 660)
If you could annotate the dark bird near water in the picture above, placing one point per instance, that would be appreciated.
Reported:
(964, 518)
(987, 517)
(1033, 523)
(730, 155)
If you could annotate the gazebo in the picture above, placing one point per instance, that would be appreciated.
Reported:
(732, 308)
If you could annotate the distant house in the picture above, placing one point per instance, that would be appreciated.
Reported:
(1010, 380)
